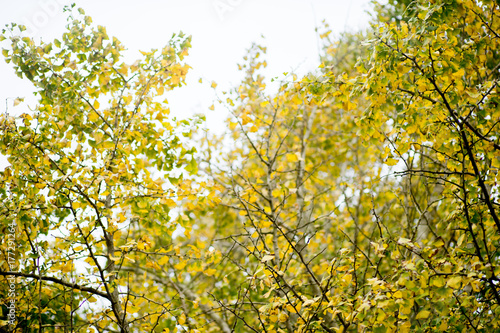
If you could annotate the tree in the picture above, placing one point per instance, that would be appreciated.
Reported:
(360, 198)
(315, 228)
(94, 172)
(439, 73)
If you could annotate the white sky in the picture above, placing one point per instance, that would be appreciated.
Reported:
(222, 30)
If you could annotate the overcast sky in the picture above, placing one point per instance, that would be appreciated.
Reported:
(222, 30)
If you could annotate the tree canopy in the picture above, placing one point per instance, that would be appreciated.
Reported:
(362, 197)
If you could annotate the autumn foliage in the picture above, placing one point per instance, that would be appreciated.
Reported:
(362, 197)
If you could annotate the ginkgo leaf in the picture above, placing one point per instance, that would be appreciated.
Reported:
(292, 158)
(391, 161)
(308, 302)
(454, 282)
(182, 319)
(424, 314)
(267, 258)
(276, 193)
(18, 100)
(163, 260)
(93, 116)
(404, 241)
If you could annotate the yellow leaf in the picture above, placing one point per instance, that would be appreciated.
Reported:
(140, 245)
(267, 258)
(160, 90)
(123, 69)
(454, 282)
(214, 85)
(90, 261)
(163, 260)
(364, 306)
(108, 144)
(245, 119)
(438, 282)
(182, 319)
(210, 271)
(347, 278)
(153, 265)
(212, 107)
(18, 100)
(391, 161)
(443, 327)
(459, 73)
(403, 241)
(266, 224)
(398, 294)
(282, 317)
(127, 99)
(96, 104)
(292, 158)
(405, 327)
(402, 69)
(308, 302)
(423, 314)
(67, 267)
(180, 265)
(92, 116)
